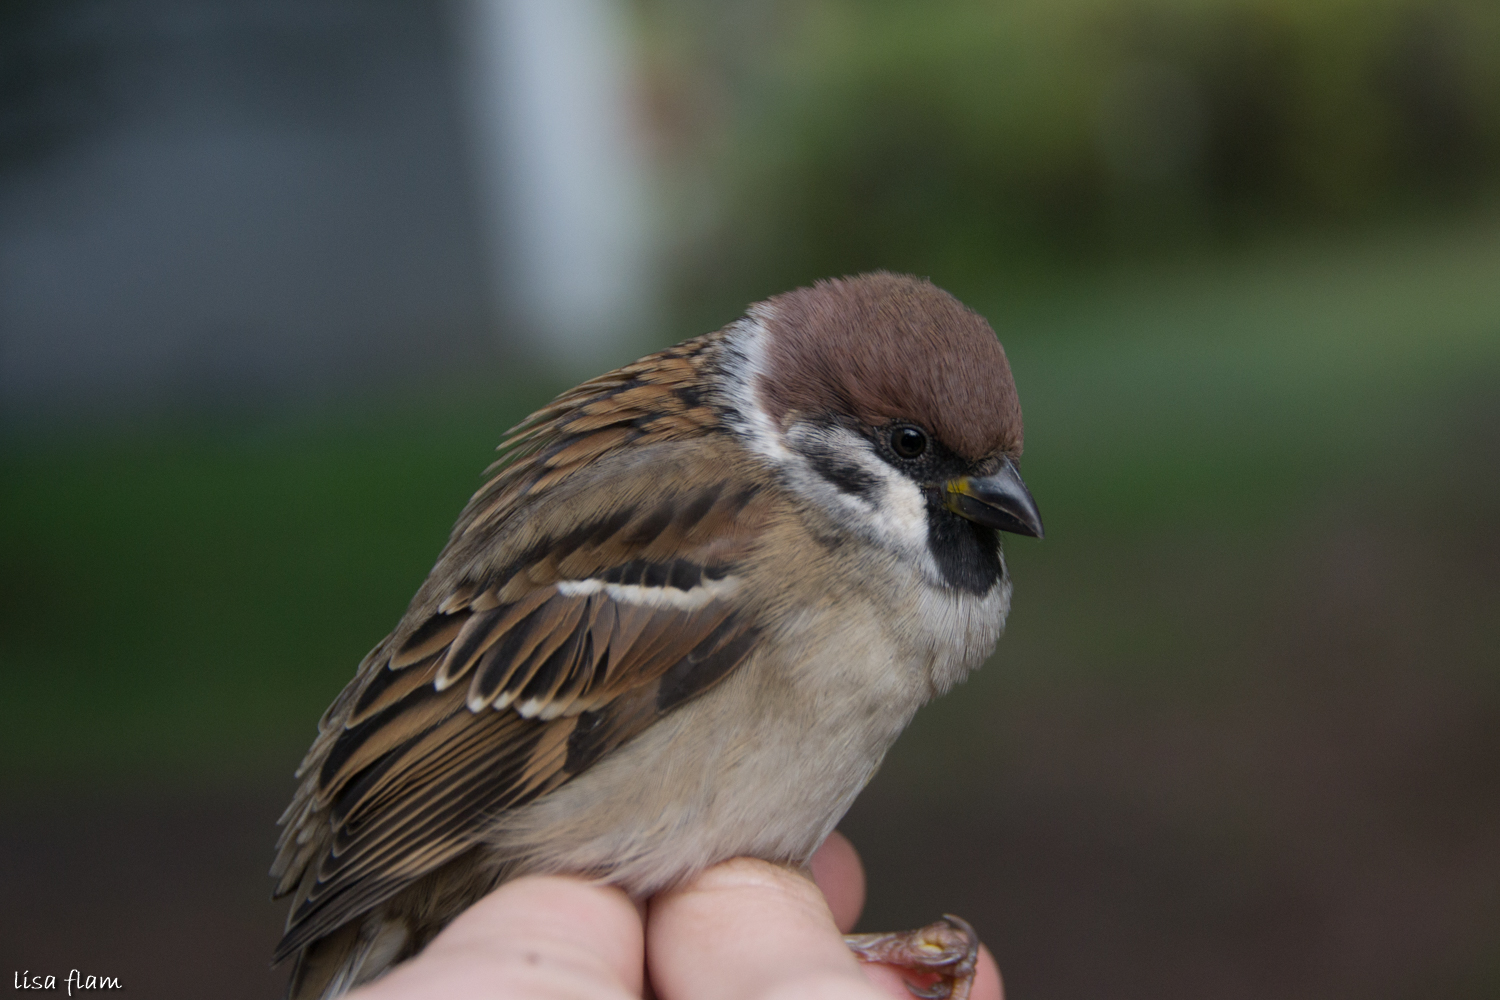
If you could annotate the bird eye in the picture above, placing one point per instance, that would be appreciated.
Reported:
(908, 442)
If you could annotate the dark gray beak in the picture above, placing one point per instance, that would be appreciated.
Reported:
(1001, 501)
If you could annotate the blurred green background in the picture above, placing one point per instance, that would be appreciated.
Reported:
(1242, 737)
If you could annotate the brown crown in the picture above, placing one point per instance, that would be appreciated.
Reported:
(883, 347)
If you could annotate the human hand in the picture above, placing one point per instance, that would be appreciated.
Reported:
(742, 930)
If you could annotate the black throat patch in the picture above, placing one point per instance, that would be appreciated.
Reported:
(967, 554)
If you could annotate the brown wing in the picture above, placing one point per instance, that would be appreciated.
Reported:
(513, 676)
(655, 399)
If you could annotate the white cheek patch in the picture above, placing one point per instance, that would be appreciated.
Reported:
(889, 510)
(672, 598)
(900, 516)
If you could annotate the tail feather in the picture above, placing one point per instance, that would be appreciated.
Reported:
(351, 956)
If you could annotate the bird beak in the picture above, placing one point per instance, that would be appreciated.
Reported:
(1001, 501)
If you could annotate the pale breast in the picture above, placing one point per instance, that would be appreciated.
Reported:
(767, 762)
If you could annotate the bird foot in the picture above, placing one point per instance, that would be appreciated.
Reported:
(945, 953)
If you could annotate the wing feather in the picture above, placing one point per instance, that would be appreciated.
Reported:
(389, 686)
(412, 766)
(438, 632)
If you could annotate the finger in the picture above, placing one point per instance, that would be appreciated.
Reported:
(749, 930)
(987, 982)
(837, 870)
(535, 938)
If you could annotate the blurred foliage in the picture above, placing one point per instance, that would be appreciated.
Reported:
(966, 139)
(185, 601)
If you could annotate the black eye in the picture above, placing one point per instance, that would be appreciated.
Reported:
(908, 442)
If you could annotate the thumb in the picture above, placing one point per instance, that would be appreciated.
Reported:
(750, 930)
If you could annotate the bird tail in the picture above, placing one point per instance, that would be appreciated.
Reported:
(351, 956)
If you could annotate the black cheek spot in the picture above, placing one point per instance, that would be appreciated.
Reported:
(846, 476)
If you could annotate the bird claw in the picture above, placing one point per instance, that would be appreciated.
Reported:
(949, 948)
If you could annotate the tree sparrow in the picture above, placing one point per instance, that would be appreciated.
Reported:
(692, 607)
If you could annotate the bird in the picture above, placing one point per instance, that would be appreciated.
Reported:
(691, 607)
